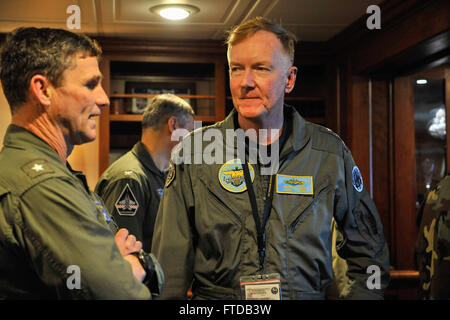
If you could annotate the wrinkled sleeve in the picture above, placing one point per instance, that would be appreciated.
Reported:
(60, 233)
(173, 240)
(433, 244)
(364, 247)
(441, 282)
(116, 190)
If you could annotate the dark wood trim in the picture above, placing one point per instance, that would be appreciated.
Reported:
(312, 53)
(414, 35)
(332, 101)
(411, 27)
(185, 48)
(405, 24)
(404, 274)
(392, 198)
(405, 174)
(392, 11)
(359, 102)
(423, 56)
(220, 88)
(104, 135)
(381, 155)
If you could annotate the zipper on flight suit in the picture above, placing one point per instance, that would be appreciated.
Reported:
(323, 187)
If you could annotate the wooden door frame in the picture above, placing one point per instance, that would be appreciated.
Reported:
(405, 188)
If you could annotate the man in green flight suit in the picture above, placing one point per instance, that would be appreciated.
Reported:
(258, 225)
(433, 243)
(55, 235)
(132, 186)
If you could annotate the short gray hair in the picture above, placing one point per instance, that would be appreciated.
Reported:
(162, 108)
(250, 27)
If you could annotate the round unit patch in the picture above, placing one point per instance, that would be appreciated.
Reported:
(231, 176)
(357, 179)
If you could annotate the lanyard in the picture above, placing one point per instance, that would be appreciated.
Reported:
(260, 227)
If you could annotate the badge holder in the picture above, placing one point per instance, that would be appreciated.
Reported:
(261, 287)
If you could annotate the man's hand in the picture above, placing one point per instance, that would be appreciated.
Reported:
(127, 244)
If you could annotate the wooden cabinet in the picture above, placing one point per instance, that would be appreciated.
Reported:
(134, 72)
(377, 112)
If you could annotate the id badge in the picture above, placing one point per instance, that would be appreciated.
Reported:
(261, 287)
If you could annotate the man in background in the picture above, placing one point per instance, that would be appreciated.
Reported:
(132, 186)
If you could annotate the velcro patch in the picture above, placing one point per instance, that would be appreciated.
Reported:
(127, 204)
(357, 179)
(101, 207)
(36, 168)
(294, 184)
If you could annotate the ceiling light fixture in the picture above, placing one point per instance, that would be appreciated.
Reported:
(174, 11)
(422, 81)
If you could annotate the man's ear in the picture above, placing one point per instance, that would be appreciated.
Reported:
(172, 123)
(40, 89)
(290, 80)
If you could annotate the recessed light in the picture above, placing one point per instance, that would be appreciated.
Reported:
(174, 11)
(421, 81)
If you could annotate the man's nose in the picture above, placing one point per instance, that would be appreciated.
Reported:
(247, 80)
(102, 99)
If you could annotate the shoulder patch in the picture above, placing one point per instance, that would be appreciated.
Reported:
(170, 174)
(101, 208)
(127, 204)
(37, 168)
(357, 179)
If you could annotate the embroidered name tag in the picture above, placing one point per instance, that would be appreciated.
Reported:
(294, 184)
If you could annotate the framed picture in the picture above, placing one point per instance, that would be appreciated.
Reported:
(138, 105)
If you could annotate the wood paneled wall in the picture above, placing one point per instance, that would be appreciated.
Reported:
(376, 111)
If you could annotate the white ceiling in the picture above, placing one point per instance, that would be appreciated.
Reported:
(310, 20)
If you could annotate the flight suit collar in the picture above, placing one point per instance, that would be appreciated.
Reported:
(80, 176)
(20, 138)
(141, 152)
(297, 139)
(299, 135)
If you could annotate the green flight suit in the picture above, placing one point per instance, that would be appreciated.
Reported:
(51, 225)
(433, 243)
(205, 232)
(131, 189)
